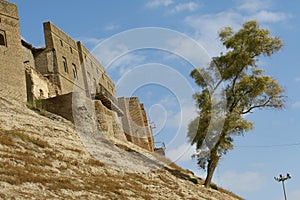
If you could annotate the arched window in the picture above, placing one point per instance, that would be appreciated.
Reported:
(74, 71)
(65, 64)
(2, 39)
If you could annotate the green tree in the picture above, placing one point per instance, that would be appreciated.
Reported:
(245, 88)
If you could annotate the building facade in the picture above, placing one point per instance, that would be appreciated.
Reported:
(11, 71)
(135, 123)
(64, 66)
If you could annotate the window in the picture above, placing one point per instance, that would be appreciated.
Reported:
(74, 71)
(71, 50)
(95, 83)
(65, 65)
(2, 38)
(41, 93)
(61, 43)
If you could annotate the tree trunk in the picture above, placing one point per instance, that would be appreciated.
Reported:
(212, 164)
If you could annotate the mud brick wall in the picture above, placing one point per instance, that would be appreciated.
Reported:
(12, 73)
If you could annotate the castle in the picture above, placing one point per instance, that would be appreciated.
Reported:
(51, 75)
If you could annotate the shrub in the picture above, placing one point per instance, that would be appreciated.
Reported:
(195, 181)
(214, 186)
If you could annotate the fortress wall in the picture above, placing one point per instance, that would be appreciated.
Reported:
(53, 73)
(94, 71)
(123, 104)
(28, 58)
(91, 68)
(12, 74)
(109, 121)
(135, 123)
(39, 87)
(45, 62)
(66, 57)
(148, 131)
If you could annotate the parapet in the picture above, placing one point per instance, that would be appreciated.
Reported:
(8, 9)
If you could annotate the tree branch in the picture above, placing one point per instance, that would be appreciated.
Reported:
(257, 106)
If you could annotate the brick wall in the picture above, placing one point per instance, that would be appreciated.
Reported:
(135, 123)
(12, 75)
(66, 58)
(94, 72)
(62, 67)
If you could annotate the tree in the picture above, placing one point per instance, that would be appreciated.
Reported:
(245, 88)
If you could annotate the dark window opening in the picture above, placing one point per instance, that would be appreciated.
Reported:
(65, 65)
(74, 71)
(2, 40)
(71, 50)
(41, 93)
(61, 43)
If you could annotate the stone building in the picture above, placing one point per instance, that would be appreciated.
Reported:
(135, 123)
(11, 70)
(52, 75)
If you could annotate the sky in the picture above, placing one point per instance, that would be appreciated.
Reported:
(149, 47)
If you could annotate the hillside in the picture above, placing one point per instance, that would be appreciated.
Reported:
(42, 157)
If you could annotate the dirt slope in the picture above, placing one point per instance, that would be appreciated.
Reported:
(42, 157)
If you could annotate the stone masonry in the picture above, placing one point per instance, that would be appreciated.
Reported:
(135, 123)
(12, 77)
(63, 67)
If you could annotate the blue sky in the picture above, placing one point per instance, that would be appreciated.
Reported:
(166, 88)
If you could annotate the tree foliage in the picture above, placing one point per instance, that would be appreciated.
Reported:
(245, 87)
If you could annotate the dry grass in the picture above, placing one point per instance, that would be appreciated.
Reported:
(6, 140)
(201, 181)
(27, 158)
(33, 163)
(11, 135)
(74, 150)
(94, 162)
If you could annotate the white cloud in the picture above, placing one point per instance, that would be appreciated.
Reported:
(254, 5)
(126, 62)
(189, 50)
(182, 153)
(111, 27)
(269, 16)
(296, 105)
(190, 6)
(207, 26)
(169, 101)
(242, 182)
(117, 57)
(158, 3)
